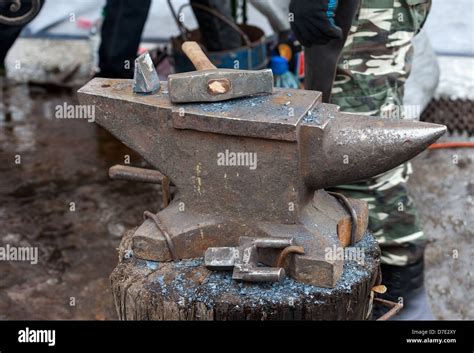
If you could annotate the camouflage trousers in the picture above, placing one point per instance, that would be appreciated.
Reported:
(372, 70)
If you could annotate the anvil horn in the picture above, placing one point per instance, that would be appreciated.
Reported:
(353, 147)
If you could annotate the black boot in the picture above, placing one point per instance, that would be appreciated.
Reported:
(405, 285)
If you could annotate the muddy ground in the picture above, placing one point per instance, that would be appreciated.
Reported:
(443, 190)
(64, 161)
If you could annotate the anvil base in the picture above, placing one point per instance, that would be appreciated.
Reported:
(324, 226)
(187, 290)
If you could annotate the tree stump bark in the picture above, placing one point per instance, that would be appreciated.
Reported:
(186, 290)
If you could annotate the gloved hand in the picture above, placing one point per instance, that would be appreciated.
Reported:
(313, 21)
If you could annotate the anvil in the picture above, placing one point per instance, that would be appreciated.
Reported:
(301, 146)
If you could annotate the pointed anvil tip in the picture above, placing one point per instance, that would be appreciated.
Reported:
(404, 135)
(429, 132)
(356, 148)
(196, 86)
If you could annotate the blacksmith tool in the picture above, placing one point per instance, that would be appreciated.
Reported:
(210, 84)
(301, 146)
(145, 77)
(244, 260)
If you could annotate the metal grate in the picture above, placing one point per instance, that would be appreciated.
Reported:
(457, 115)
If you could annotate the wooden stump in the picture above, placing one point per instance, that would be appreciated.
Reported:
(186, 290)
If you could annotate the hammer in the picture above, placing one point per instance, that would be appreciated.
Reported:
(210, 84)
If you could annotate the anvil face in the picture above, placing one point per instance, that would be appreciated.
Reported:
(251, 167)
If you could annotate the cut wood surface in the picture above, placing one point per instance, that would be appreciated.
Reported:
(186, 290)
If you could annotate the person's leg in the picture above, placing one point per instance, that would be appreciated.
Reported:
(216, 34)
(8, 36)
(121, 34)
(371, 74)
(322, 59)
(276, 13)
(393, 219)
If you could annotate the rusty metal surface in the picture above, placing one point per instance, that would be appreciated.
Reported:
(142, 175)
(394, 308)
(352, 212)
(343, 148)
(273, 116)
(164, 233)
(210, 84)
(195, 86)
(244, 260)
(292, 249)
(165, 190)
(125, 172)
(330, 213)
(297, 153)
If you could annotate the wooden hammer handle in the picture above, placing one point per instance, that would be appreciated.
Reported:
(194, 52)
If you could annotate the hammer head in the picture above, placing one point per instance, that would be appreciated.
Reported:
(218, 85)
